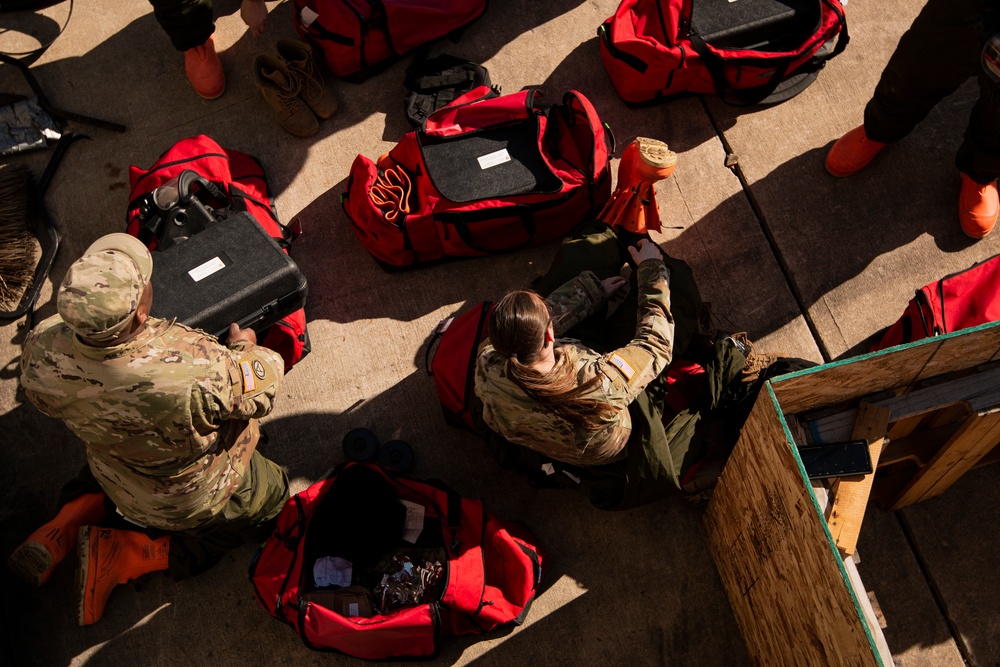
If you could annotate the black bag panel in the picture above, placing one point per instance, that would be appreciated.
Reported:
(455, 168)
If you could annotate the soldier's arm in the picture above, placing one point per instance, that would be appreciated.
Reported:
(241, 381)
(255, 375)
(575, 301)
(649, 353)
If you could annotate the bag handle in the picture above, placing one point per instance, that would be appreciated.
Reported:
(479, 108)
(460, 222)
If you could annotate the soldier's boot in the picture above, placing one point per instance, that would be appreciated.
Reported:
(978, 204)
(852, 153)
(298, 57)
(281, 92)
(633, 204)
(204, 70)
(756, 361)
(109, 557)
(38, 556)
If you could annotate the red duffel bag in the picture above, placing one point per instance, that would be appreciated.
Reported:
(376, 564)
(652, 49)
(486, 174)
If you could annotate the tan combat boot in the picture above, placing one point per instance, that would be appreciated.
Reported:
(38, 556)
(109, 557)
(280, 89)
(298, 57)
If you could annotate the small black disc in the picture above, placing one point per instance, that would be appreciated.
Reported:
(360, 444)
(396, 455)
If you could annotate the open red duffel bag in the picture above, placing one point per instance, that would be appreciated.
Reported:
(376, 564)
(486, 174)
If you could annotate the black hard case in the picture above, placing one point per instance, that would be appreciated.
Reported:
(230, 272)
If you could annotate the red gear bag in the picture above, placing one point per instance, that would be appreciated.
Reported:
(486, 174)
(491, 568)
(359, 37)
(957, 301)
(650, 52)
(242, 179)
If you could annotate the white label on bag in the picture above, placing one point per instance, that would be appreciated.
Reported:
(413, 525)
(352, 609)
(494, 158)
(213, 265)
(307, 16)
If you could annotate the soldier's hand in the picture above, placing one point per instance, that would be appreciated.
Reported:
(613, 285)
(254, 14)
(644, 250)
(235, 334)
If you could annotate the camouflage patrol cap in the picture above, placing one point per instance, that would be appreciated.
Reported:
(101, 291)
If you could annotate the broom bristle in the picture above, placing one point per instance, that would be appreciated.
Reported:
(18, 246)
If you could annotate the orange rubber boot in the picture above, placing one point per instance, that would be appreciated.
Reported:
(633, 203)
(38, 556)
(109, 557)
(852, 153)
(204, 70)
(977, 207)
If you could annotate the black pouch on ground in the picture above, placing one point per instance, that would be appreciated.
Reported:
(435, 82)
(230, 272)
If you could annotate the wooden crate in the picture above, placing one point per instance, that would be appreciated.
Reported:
(796, 596)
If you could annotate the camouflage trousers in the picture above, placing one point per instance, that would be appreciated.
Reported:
(660, 451)
(247, 518)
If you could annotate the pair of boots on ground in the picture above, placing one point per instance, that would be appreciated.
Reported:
(289, 81)
(108, 556)
(978, 203)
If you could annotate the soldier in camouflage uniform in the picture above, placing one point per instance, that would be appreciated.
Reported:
(620, 449)
(168, 416)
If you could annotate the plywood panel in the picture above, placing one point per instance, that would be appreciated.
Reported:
(896, 367)
(783, 576)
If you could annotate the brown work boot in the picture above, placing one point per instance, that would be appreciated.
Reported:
(109, 557)
(852, 153)
(298, 57)
(280, 89)
(756, 362)
(204, 70)
(38, 556)
(977, 207)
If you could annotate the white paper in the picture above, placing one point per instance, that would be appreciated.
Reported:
(332, 571)
(213, 265)
(494, 158)
(414, 523)
(308, 16)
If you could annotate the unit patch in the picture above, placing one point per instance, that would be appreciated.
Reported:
(258, 369)
(249, 381)
(618, 362)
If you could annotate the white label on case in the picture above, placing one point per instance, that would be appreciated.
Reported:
(494, 158)
(213, 265)
(352, 609)
(308, 16)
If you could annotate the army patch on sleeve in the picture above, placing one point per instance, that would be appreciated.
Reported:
(625, 367)
(249, 377)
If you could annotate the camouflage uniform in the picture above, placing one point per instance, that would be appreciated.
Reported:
(168, 416)
(622, 373)
(662, 446)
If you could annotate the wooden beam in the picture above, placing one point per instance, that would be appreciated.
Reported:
(973, 440)
(981, 391)
(850, 495)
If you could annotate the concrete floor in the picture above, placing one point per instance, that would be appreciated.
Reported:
(809, 265)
